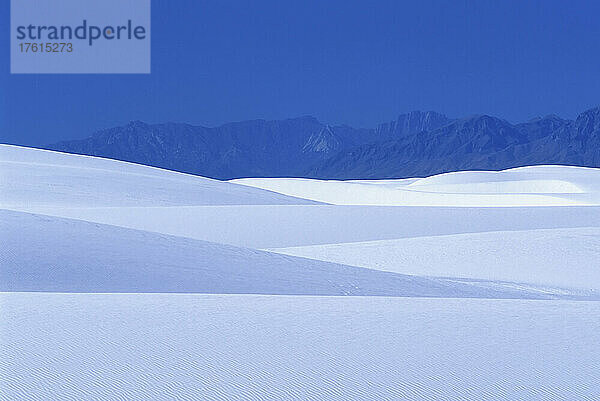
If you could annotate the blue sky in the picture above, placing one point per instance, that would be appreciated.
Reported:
(354, 62)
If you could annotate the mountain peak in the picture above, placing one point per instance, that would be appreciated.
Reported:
(412, 123)
(427, 113)
(479, 121)
(305, 119)
(588, 123)
(590, 113)
(136, 124)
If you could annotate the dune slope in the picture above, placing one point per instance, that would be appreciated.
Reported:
(524, 186)
(43, 253)
(568, 257)
(33, 177)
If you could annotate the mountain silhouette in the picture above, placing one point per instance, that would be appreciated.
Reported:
(413, 145)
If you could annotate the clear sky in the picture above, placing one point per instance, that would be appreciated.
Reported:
(354, 62)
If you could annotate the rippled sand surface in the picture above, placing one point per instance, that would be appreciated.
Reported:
(242, 347)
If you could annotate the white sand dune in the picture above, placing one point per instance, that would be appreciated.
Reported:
(568, 257)
(73, 223)
(558, 179)
(525, 186)
(232, 214)
(274, 226)
(43, 253)
(33, 177)
(218, 347)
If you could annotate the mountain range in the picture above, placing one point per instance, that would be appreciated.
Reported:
(415, 144)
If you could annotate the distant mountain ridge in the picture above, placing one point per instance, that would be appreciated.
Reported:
(415, 144)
